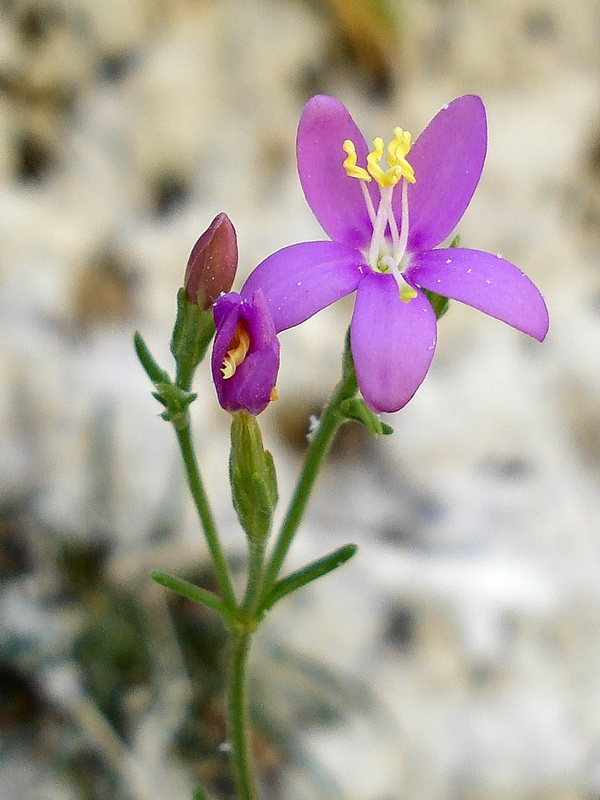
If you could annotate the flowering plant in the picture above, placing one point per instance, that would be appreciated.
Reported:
(385, 225)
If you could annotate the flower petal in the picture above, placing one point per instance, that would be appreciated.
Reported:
(486, 282)
(335, 199)
(447, 159)
(392, 342)
(300, 280)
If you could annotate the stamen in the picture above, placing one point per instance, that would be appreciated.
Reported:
(391, 176)
(368, 202)
(237, 351)
(350, 163)
(386, 199)
(397, 149)
(378, 237)
(403, 240)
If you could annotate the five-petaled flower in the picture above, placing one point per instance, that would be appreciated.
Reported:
(245, 357)
(384, 224)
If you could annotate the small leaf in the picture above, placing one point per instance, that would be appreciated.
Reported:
(186, 589)
(310, 572)
(356, 410)
(154, 372)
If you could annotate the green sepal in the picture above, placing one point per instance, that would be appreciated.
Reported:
(456, 241)
(253, 477)
(193, 332)
(189, 590)
(198, 794)
(153, 371)
(439, 303)
(348, 372)
(356, 410)
(316, 569)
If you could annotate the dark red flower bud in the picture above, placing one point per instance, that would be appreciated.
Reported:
(212, 263)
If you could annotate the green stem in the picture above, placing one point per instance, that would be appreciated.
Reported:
(239, 723)
(329, 424)
(184, 437)
(254, 583)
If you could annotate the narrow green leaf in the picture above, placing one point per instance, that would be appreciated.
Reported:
(310, 572)
(154, 372)
(186, 589)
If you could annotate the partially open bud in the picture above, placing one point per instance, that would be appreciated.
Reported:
(245, 358)
(212, 263)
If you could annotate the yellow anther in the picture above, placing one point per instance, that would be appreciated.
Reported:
(238, 349)
(397, 151)
(350, 163)
(398, 166)
(274, 395)
(373, 160)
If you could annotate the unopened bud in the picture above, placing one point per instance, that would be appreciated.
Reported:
(253, 478)
(212, 263)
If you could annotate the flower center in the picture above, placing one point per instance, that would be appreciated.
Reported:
(388, 243)
(237, 351)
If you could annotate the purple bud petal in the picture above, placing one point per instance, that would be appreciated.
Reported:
(212, 263)
(246, 349)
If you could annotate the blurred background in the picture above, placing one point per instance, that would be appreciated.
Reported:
(457, 657)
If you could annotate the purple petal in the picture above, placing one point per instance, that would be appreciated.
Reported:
(447, 159)
(251, 385)
(392, 342)
(335, 199)
(300, 280)
(486, 282)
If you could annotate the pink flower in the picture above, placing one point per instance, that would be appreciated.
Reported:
(384, 224)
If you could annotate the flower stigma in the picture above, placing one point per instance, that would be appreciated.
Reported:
(237, 351)
(388, 244)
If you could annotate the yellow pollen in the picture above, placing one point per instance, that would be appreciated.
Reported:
(238, 349)
(398, 166)
(274, 395)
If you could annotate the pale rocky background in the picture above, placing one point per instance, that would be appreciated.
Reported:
(458, 656)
